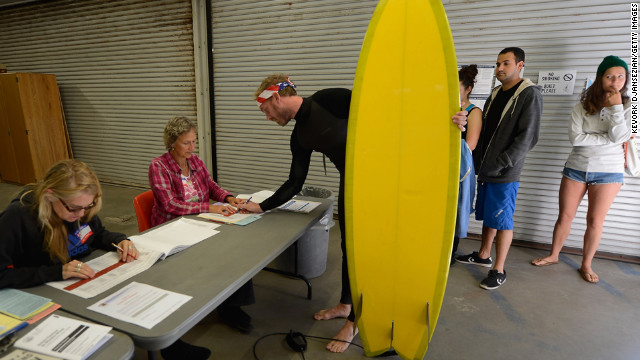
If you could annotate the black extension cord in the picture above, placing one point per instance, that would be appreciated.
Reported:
(297, 341)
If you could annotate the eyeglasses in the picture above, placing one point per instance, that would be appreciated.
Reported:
(77, 210)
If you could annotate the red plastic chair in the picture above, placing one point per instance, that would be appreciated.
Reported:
(142, 205)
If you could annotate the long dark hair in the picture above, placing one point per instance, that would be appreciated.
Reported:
(592, 98)
(467, 76)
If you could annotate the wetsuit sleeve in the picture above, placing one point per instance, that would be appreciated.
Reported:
(301, 158)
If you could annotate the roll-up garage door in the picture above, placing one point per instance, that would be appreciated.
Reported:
(124, 68)
(315, 42)
(556, 35)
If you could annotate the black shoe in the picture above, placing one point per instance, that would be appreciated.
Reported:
(235, 317)
(494, 280)
(181, 350)
(474, 259)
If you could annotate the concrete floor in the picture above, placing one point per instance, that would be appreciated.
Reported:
(539, 313)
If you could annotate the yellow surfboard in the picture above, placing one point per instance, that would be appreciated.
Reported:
(401, 188)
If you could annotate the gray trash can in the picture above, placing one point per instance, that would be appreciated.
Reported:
(313, 245)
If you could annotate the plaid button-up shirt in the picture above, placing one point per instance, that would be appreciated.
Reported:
(168, 192)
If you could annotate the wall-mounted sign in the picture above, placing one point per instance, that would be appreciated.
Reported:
(588, 82)
(484, 79)
(557, 82)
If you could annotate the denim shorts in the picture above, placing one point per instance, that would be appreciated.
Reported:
(593, 178)
(496, 203)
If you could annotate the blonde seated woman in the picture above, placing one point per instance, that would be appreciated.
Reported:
(52, 224)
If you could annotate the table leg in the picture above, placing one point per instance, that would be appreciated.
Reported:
(294, 274)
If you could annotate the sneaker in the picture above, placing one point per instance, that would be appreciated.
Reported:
(494, 280)
(474, 259)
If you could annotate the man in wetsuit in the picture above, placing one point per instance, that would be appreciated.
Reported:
(321, 125)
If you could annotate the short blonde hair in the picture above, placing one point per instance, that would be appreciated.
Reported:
(272, 80)
(176, 127)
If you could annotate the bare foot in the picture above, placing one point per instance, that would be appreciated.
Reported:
(339, 311)
(346, 334)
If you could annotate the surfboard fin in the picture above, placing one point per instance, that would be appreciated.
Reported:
(428, 324)
(392, 328)
(358, 314)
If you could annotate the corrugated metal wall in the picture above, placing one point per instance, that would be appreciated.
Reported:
(315, 42)
(124, 68)
(555, 35)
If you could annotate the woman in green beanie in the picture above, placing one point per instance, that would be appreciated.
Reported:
(600, 124)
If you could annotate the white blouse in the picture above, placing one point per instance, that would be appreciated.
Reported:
(597, 139)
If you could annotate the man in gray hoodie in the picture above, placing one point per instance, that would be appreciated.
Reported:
(510, 129)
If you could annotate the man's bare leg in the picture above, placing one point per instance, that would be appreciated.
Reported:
(346, 335)
(339, 311)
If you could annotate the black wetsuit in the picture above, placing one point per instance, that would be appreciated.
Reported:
(321, 125)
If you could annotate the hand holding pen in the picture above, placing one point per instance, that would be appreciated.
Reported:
(249, 206)
(127, 250)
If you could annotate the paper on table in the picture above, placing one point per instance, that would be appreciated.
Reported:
(19, 354)
(237, 218)
(299, 206)
(140, 304)
(41, 314)
(8, 323)
(20, 304)
(257, 197)
(291, 205)
(108, 278)
(64, 337)
(175, 236)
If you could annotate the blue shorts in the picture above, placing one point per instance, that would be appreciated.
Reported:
(496, 203)
(593, 178)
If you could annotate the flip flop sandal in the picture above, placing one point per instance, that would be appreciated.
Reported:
(588, 277)
(541, 262)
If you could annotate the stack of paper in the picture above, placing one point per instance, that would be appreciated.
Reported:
(65, 338)
(175, 236)
(235, 219)
(9, 325)
(19, 308)
(21, 305)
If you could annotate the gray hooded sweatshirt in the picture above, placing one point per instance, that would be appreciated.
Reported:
(517, 133)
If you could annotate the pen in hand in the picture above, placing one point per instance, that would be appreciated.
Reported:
(128, 255)
(249, 199)
(117, 247)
